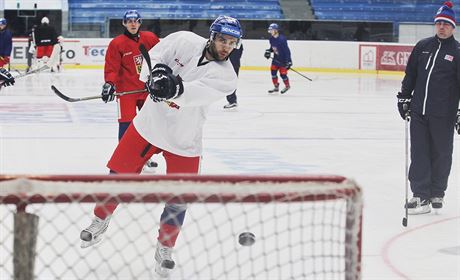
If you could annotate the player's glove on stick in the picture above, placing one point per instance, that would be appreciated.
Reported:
(288, 65)
(268, 53)
(108, 92)
(163, 85)
(6, 79)
(457, 122)
(403, 105)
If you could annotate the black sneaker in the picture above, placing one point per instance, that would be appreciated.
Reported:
(437, 202)
(416, 206)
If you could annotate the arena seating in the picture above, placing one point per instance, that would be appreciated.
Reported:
(91, 11)
(377, 10)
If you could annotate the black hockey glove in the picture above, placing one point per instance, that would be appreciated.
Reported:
(163, 85)
(457, 122)
(6, 79)
(403, 105)
(268, 53)
(288, 65)
(108, 92)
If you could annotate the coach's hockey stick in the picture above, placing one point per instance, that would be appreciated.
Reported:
(295, 71)
(77, 99)
(406, 172)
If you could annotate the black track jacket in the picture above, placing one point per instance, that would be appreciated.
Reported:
(433, 74)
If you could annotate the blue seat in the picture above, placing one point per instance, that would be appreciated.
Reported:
(91, 11)
(377, 10)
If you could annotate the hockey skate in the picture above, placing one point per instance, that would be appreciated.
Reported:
(285, 89)
(231, 105)
(163, 261)
(416, 206)
(274, 90)
(94, 233)
(437, 202)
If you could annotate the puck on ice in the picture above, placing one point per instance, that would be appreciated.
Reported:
(247, 238)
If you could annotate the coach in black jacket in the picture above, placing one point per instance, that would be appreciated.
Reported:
(433, 75)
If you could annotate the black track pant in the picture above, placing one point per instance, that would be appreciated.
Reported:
(431, 154)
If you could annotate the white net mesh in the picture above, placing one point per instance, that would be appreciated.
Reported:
(305, 227)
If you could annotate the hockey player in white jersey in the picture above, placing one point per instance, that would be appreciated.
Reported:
(189, 73)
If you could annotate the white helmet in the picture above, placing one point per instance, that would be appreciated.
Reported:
(45, 20)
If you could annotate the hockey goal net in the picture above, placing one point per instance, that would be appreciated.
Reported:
(306, 227)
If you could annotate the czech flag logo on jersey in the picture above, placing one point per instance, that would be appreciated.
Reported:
(138, 63)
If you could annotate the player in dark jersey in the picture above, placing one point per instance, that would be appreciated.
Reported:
(281, 59)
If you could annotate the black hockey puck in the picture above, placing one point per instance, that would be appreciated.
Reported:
(152, 164)
(247, 239)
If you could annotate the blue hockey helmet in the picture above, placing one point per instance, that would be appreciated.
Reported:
(2, 21)
(132, 14)
(228, 26)
(273, 26)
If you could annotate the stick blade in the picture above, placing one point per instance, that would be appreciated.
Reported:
(404, 222)
(61, 95)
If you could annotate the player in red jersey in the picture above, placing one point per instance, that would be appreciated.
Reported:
(123, 63)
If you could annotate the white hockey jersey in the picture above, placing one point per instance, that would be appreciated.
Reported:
(180, 130)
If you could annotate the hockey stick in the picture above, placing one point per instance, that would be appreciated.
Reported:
(406, 175)
(294, 71)
(44, 67)
(14, 69)
(301, 74)
(146, 56)
(78, 99)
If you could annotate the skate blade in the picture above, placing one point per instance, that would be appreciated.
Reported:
(284, 91)
(162, 273)
(85, 244)
(419, 211)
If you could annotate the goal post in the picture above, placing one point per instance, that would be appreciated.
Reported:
(305, 227)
